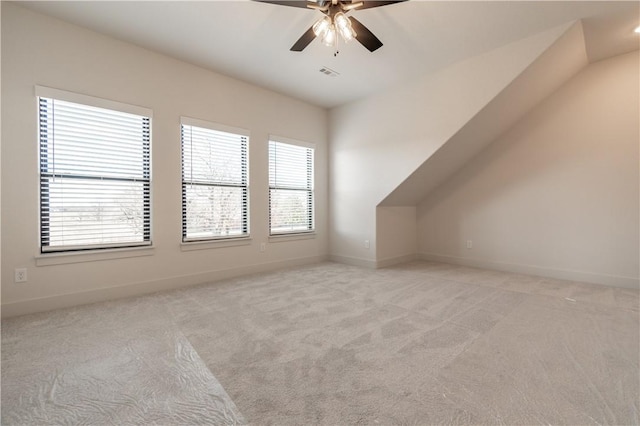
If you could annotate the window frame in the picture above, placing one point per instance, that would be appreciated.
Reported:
(45, 249)
(245, 186)
(310, 190)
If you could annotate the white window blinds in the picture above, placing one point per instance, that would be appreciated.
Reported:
(95, 177)
(290, 188)
(215, 185)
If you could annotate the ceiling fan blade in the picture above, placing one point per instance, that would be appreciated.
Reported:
(368, 4)
(364, 36)
(303, 41)
(292, 3)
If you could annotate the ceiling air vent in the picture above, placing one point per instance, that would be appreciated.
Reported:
(328, 71)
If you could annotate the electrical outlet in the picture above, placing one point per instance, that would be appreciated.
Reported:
(263, 246)
(366, 244)
(21, 275)
(469, 244)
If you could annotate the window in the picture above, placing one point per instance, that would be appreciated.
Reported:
(290, 188)
(215, 190)
(95, 173)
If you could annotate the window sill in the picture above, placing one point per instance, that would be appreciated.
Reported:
(214, 244)
(61, 258)
(292, 237)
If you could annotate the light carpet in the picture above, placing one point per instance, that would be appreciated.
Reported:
(419, 343)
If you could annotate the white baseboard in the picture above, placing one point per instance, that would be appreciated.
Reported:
(562, 274)
(354, 261)
(140, 288)
(390, 261)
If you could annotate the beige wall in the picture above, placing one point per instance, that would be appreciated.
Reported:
(396, 234)
(38, 50)
(556, 195)
(377, 142)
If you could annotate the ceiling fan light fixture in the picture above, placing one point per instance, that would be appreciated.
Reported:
(329, 37)
(341, 20)
(334, 24)
(321, 27)
(347, 33)
(344, 26)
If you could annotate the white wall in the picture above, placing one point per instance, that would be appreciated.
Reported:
(376, 143)
(396, 234)
(558, 194)
(0, 154)
(38, 50)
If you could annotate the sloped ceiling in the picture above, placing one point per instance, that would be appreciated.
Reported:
(554, 67)
(250, 40)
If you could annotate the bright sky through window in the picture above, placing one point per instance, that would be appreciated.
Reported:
(94, 177)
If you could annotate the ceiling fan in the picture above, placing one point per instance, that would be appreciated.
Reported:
(335, 23)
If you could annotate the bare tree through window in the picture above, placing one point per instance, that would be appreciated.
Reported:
(215, 183)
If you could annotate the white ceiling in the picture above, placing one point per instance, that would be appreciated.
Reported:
(250, 40)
